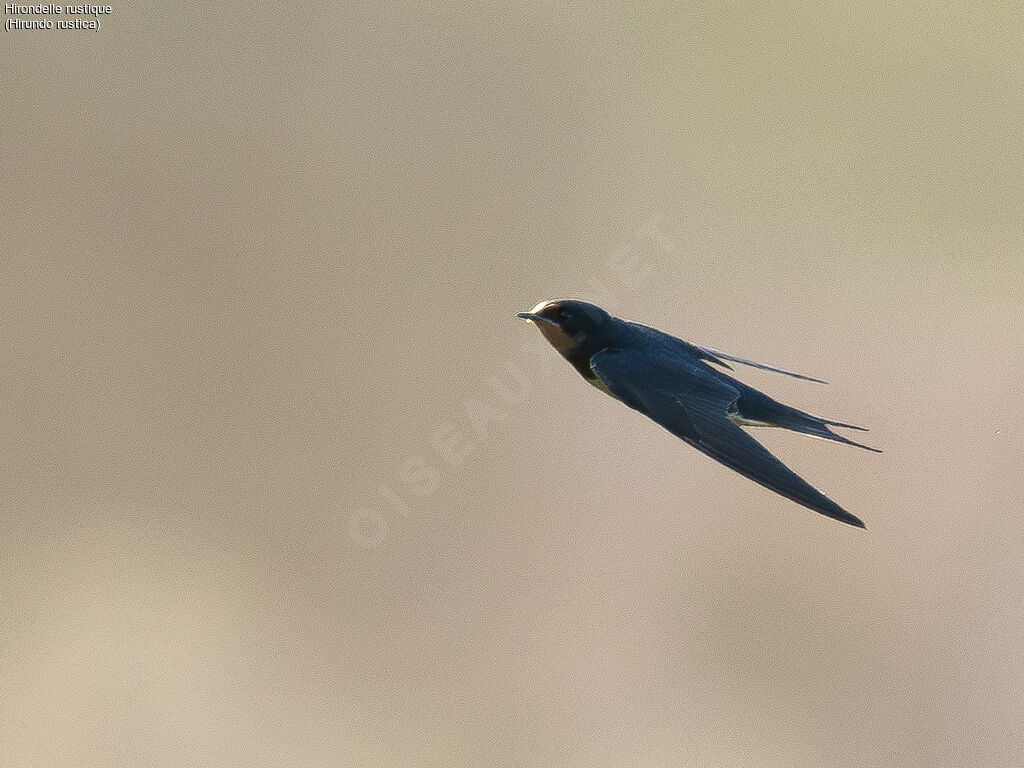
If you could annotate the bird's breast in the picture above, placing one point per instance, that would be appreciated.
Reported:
(598, 384)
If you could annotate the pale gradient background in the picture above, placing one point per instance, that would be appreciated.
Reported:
(260, 264)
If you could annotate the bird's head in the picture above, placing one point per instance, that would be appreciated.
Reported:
(572, 327)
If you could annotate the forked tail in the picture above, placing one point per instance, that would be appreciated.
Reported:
(752, 408)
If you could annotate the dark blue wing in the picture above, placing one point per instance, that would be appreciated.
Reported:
(693, 405)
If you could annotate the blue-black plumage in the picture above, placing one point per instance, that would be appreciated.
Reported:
(674, 383)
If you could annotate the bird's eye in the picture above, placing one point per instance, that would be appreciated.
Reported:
(564, 314)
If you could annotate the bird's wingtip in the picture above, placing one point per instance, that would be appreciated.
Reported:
(846, 517)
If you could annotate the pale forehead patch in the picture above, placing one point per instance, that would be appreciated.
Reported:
(536, 310)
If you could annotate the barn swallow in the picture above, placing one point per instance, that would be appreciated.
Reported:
(674, 383)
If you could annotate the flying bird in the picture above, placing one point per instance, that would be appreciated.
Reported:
(676, 384)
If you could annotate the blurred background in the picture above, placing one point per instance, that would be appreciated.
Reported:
(285, 483)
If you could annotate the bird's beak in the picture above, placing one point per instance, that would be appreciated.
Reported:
(529, 316)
